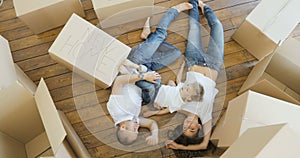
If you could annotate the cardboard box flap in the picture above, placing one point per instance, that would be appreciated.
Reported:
(11, 148)
(23, 7)
(269, 88)
(37, 146)
(268, 110)
(245, 146)
(106, 3)
(232, 122)
(254, 40)
(7, 68)
(285, 65)
(274, 18)
(18, 114)
(25, 80)
(256, 73)
(52, 123)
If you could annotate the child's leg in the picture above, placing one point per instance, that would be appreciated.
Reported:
(149, 90)
(194, 50)
(215, 52)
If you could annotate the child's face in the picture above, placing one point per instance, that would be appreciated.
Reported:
(131, 125)
(187, 91)
(129, 129)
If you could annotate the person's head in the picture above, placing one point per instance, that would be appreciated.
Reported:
(190, 132)
(192, 92)
(127, 132)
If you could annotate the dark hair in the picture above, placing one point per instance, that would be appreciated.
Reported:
(123, 140)
(178, 136)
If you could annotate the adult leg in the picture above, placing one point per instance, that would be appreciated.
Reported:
(143, 52)
(214, 56)
(194, 50)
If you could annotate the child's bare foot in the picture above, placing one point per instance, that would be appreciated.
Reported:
(201, 5)
(146, 29)
(183, 6)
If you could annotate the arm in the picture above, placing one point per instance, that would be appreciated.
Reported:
(180, 72)
(156, 112)
(201, 146)
(130, 64)
(152, 126)
(131, 78)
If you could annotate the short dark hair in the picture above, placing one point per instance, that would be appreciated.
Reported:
(178, 136)
(199, 92)
(123, 140)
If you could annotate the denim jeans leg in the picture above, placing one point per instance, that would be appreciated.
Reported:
(194, 50)
(149, 90)
(214, 56)
(165, 55)
(143, 52)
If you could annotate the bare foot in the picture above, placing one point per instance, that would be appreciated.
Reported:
(183, 6)
(146, 29)
(201, 5)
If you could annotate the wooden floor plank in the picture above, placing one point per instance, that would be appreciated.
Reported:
(85, 104)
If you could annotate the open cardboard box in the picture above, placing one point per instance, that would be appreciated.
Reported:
(278, 74)
(252, 109)
(22, 131)
(89, 51)
(44, 15)
(30, 129)
(111, 13)
(267, 25)
(265, 142)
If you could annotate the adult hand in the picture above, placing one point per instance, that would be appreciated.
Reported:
(152, 140)
(152, 76)
(170, 144)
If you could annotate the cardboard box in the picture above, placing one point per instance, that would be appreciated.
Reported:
(253, 109)
(44, 15)
(278, 74)
(31, 129)
(116, 12)
(89, 51)
(264, 28)
(265, 142)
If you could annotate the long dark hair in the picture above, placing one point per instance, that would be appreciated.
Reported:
(178, 136)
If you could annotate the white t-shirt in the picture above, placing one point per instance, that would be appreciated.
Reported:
(169, 96)
(204, 108)
(127, 106)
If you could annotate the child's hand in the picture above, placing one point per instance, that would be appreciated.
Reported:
(152, 140)
(172, 83)
(149, 113)
(183, 63)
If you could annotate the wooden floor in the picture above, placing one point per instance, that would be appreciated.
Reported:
(82, 101)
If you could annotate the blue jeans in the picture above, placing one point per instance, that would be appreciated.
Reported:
(155, 54)
(195, 55)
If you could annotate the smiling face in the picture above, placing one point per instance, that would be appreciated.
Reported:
(128, 131)
(187, 91)
(191, 126)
